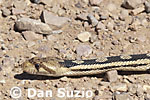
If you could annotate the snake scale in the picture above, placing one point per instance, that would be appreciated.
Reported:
(55, 67)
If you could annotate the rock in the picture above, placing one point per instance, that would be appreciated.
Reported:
(146, 88)
(31, 36)
(5, 12)
(52, 19)
(144, 22)
(106, 84)
(61, 12)
(96, 98)
(124, 14)
(16, 11)
(100, 26)
(51, 38)
(137, 10)
(57, 32)
(140, 90)
(112, 76)
(84, 36)
(20, 4)
(28, 24)
(131, 4)
(119, 87)
(30, 44)
(2, 81)
(92, 20)
(110, 26)
(122, 97)
(111, 7)
(46, 2)
(132, 88)
(83, 50)
(86, 24)
(64, 79)
(44, 48)
(36, 1)
(28, 2)
(95, 2)
(147, 6)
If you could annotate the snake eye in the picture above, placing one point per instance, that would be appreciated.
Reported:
(37, 66)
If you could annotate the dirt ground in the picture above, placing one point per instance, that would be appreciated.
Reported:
(72, 29)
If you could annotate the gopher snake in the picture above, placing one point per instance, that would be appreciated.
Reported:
(50, 66)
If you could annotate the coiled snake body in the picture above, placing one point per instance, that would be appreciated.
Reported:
(50, 66)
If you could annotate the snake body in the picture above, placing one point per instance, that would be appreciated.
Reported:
(55, 67)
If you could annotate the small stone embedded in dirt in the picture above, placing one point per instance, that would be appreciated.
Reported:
(147, 6)
(92, 20)
(44, 48)
(30, 44)
(146, 88)
(28, 24)
(112, 76)
(51, 38)
(57, 31)
(95, 2)
(124, 14)
(46, 2)
(83, 50)
(36, 1)
(64, 79)
(97, 98)
(84, 36)
(16, 11)
(140, 90)
(123, 96)
(100, 26)
(131, 4)
(111, 7)
(2, 81)
(137, 10)
(110, 26)
(119, 87)
(31, 36)
(5, 12)
(20, 4)
(52, 19)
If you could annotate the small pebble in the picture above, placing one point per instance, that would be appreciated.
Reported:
(6, 12)
(100, 26)
(122, 97)
(84, 36)
(112, 76)
(95, 2)
(2, 81)
(119, 87)
(64, 79)
(83, 50)
(131, 4)
(92, 20)
(111, 7)
(147, 6)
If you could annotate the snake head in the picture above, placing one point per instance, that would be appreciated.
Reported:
(29, 67)
(43, 66)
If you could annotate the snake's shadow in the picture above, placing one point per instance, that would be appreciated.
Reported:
(26, 76)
